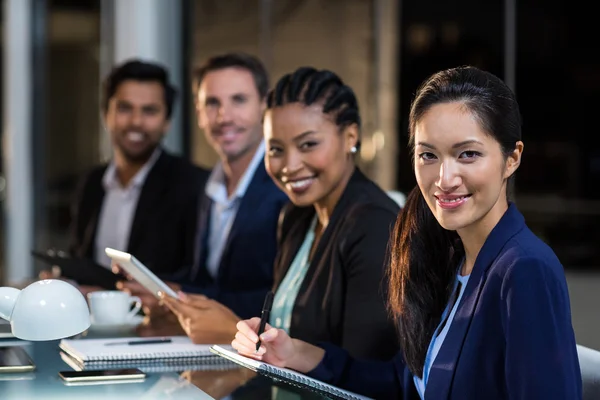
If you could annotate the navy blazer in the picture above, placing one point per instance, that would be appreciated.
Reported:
(245, 272)
(511, 337)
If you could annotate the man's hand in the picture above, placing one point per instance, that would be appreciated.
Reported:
(49, 274)
(55, 274)
(87, 289)
(205, 321)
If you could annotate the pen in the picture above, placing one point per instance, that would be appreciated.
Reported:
(266, 312)
(139, 342)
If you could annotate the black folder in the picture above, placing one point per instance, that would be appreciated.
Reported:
(82, 270)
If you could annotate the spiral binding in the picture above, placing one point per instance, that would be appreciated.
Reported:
(162, 355)
(304, 382)
(150, 366)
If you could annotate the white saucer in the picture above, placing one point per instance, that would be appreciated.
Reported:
(121, 327)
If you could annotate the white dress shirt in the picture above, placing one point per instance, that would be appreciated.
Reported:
(224, 208)
(118, 210)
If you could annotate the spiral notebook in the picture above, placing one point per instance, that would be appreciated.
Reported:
(95, 352)
(287, 375)
(154, 366)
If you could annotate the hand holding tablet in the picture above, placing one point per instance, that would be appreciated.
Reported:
(140, 273)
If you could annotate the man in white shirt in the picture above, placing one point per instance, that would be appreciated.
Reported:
(237, 228)
(145, 200)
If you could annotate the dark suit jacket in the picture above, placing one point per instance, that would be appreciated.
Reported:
(164, 226)
(342, 298)
(511, 337)
(245, 272)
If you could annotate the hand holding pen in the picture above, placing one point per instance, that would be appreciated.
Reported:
(257, 339)
(265, 315)
(275, 346)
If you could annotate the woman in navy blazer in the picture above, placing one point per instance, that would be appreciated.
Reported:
(481, 303)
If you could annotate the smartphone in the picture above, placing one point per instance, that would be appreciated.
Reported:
(102, 375)
(15, 359)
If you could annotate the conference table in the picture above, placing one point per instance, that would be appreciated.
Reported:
(44, 383)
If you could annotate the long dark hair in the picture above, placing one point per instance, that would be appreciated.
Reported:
(425, 256)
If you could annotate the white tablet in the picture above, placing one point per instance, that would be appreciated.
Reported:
(139, 272)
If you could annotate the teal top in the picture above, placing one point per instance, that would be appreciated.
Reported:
(285, 297)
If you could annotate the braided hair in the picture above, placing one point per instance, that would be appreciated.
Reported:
(310, 86)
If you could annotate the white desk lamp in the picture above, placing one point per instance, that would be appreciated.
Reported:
(45, 310)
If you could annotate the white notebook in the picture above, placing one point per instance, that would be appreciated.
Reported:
(286, 375)
(155, 366)
(87, 351)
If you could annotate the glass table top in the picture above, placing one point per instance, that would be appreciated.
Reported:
(44, 382)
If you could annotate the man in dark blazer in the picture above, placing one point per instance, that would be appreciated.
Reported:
(145, 200)
(239, 213)
(237, 230)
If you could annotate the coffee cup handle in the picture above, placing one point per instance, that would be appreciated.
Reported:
(137, 302)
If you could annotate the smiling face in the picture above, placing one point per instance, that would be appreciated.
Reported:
(307, 155)
(229, 110)
(136, 119)
(460, 169)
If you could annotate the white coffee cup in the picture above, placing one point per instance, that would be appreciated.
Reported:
(113, 307)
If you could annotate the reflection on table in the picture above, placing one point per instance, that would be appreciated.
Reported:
(232, 383)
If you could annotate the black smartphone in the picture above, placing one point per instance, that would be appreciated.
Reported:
(15, 359)
(102, 375)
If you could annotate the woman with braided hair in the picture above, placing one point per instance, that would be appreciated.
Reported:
(333, 236)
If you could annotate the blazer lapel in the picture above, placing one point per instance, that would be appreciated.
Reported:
(250, 203)
(439, 384)
(152, 189)
(199, 271)
(89, 233)
(346, 201)
(293, 240)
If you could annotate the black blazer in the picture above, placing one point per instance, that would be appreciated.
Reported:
(342, 299)
(164, 226)
(245, 272)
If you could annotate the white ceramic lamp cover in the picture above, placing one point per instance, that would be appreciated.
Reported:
(45, 310)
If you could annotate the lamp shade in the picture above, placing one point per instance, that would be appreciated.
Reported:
(45, 310)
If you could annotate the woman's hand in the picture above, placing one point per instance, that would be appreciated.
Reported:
(276, 348)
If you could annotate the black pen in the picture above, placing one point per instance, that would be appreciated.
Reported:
(266, 312)
(139, 342)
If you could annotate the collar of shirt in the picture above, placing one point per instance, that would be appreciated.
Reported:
(110, 180)
(216, 187)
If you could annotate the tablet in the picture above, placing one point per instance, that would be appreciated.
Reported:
(139, 272)
(81, 270)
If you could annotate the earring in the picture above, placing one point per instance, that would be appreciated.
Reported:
(353, 150)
